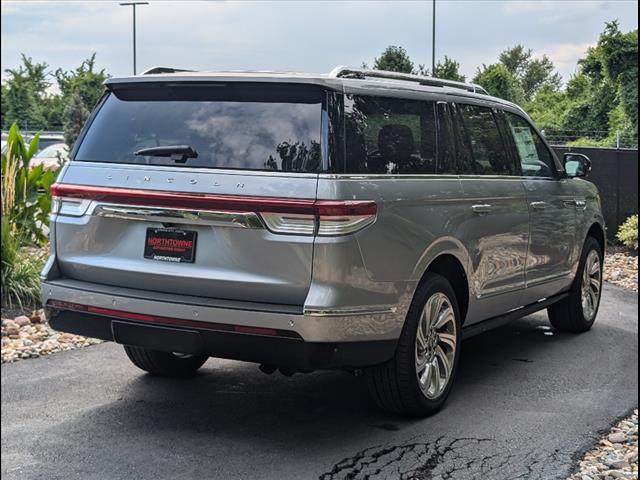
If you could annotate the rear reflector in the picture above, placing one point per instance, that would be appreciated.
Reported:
(290, 216)
(180, 322)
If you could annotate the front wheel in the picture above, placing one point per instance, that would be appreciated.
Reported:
(165, 364)
(578, 311)
(418, 379)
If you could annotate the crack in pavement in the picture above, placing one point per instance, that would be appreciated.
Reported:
(446, 459)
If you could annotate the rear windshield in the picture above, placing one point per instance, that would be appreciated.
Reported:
(234, 126)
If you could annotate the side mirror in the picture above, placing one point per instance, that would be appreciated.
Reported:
(576, 165)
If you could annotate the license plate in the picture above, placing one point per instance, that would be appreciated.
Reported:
(170, 245)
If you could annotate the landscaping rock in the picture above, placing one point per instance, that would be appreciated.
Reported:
(616, 455)
(621, 268)
(31, 337)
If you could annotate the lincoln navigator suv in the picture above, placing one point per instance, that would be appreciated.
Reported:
(359, 220)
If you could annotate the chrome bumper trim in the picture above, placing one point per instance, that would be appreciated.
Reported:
(349, 311)
(363, 326)
(151, 214)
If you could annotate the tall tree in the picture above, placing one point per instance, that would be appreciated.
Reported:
(532, 73)
(394, 59)
(500, 82)
(75, 114)
(448, 69)
(22, 94)
(81, 89)
(515, 59)
(84, 80)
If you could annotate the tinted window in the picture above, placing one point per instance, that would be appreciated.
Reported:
(389, 135)
(261, 127)
(535, 158)
(489, 156)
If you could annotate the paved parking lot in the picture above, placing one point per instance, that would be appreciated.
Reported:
(526, 404)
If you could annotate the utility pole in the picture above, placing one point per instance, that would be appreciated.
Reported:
(134, 4)
(433, 41)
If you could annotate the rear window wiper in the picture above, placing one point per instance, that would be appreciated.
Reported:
(178, 153)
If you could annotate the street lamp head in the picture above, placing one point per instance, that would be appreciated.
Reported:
(126, 4)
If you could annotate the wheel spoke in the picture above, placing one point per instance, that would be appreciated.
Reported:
(595, 268)
(445, 317)
(420, 338)
(448, 339)
(436, 306)
(425, 377)
(446, 363)
(435, 377)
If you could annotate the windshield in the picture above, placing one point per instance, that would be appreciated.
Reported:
(236, 126)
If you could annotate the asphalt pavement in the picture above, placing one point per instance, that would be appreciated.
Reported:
(527, 403)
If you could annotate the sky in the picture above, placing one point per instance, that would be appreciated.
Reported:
(307, 36)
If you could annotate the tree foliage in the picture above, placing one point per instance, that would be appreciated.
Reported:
(26, 99)
(74, 116)
(448, 69)
(600, 102)
(394, 59)
(532, 73)
(500, 82)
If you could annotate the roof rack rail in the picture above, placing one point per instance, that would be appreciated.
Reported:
(154, 70)
(363, 73)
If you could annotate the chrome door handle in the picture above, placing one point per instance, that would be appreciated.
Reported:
(538, 205)
(482, 209)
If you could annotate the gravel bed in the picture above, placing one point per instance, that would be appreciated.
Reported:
(31, 337)
(615, 456)
(621, 268)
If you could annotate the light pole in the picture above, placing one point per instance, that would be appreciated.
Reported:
(433, 41)
(134, 4)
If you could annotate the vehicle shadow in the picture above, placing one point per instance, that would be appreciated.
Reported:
(247, 397)
(232, 403)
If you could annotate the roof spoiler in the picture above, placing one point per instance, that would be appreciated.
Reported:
(155, 70)
(363, 73)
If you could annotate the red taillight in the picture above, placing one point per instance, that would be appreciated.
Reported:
(296, 216)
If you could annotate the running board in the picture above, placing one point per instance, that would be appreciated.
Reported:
(485, 325)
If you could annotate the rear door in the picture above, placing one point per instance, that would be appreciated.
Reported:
(233, 221)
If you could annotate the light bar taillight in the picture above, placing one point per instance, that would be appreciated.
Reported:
(287, 216)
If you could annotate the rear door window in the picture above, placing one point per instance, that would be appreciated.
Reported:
(232, 126)
(535, 158)
(389, 135)
(487, 147)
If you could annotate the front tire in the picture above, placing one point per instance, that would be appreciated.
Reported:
(164, 364)
(578, 311)
(418, 379)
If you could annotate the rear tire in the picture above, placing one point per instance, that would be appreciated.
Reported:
(578, 311)
(418, 379)
(165, 364)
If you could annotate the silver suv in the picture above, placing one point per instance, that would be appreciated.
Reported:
(360, 220)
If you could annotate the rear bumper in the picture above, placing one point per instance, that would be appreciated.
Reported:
(283, 337)
(293, 353)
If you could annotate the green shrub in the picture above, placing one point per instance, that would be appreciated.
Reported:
(26, 193)
(628, 232)
(20, 270)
